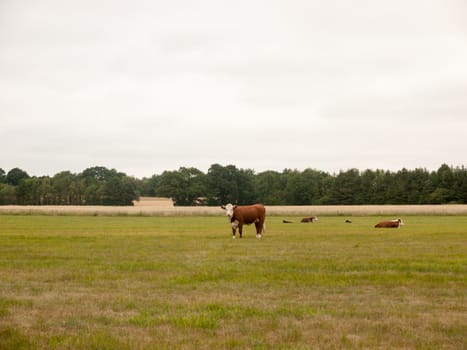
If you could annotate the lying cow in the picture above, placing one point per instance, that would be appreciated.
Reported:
(393, 223)
(310, 219)
(248, 214)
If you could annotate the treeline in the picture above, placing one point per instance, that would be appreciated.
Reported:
(94, 186)
(229, 184)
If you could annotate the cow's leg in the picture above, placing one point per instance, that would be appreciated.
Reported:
(234, 228)
(259, 228)
(240, 230)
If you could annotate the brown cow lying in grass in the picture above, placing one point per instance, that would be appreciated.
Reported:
(310, 219)
(248, 214)
(393, 223)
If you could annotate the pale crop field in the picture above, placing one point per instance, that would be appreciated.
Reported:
(182, 282)
(161, 207)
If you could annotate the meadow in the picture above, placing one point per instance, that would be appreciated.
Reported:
(182, 282)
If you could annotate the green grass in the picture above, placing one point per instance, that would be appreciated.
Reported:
(77, 282)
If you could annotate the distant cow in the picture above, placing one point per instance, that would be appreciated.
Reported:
(348, 221)
(286, 222)
(310, 219)
(248, 214)
(393, 223)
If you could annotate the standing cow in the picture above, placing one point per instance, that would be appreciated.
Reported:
(248, 214)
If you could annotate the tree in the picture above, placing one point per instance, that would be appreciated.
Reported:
(118, 189)
(2, 176)
(184, 186)
(63, 184)
(314, 185)
(346, 187)
(24, 192)
(367, 186)
(400, 188)
(299, 188)
(245, 186)
(442, 185)
(7, 194)
(97, 174)
(227, 184)
(446, 182)
(269, 187)
(382, 184)
(416, 187)
(15, 176)
(107, 187)
(147, 186)
(461, 180)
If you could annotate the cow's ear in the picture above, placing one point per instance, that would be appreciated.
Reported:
(235, 206)
(223, 207)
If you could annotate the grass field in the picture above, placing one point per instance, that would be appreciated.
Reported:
(136, 282)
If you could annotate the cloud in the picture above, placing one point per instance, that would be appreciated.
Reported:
(151, 86)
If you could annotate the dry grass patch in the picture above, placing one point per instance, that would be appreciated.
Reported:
(163, 207)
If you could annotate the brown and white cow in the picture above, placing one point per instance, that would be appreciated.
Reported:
(247, 214)
(393, 223)
(310, 219)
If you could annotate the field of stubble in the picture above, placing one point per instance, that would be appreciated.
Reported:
(166, 209)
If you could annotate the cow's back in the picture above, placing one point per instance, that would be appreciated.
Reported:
(387, 224)
(250, 213)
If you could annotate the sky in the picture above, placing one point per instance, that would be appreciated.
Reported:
(148, 86)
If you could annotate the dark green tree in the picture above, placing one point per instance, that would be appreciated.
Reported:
(367, 186)
(227, 184)
(24, 192)
(346, 187)
(443, 185)
(107, 187)
(147, 186)
(416, 186)
(7, 194)
(64, 188)
(224, 184)
(118, 189)
(185, 186)
(461, 188)
(303, 187)
(15, 176)
(269, 187)
(2, 176)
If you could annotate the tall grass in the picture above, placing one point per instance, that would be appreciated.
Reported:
(148, 210)
(83, 282)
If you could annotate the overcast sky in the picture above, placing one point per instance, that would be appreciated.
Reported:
(148, 86)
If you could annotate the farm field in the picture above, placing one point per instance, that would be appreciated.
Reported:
(163, 209)
(182, 282)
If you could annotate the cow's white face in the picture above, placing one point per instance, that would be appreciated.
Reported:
(229, 210)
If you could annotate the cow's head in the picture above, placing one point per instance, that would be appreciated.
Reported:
(229, 210)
